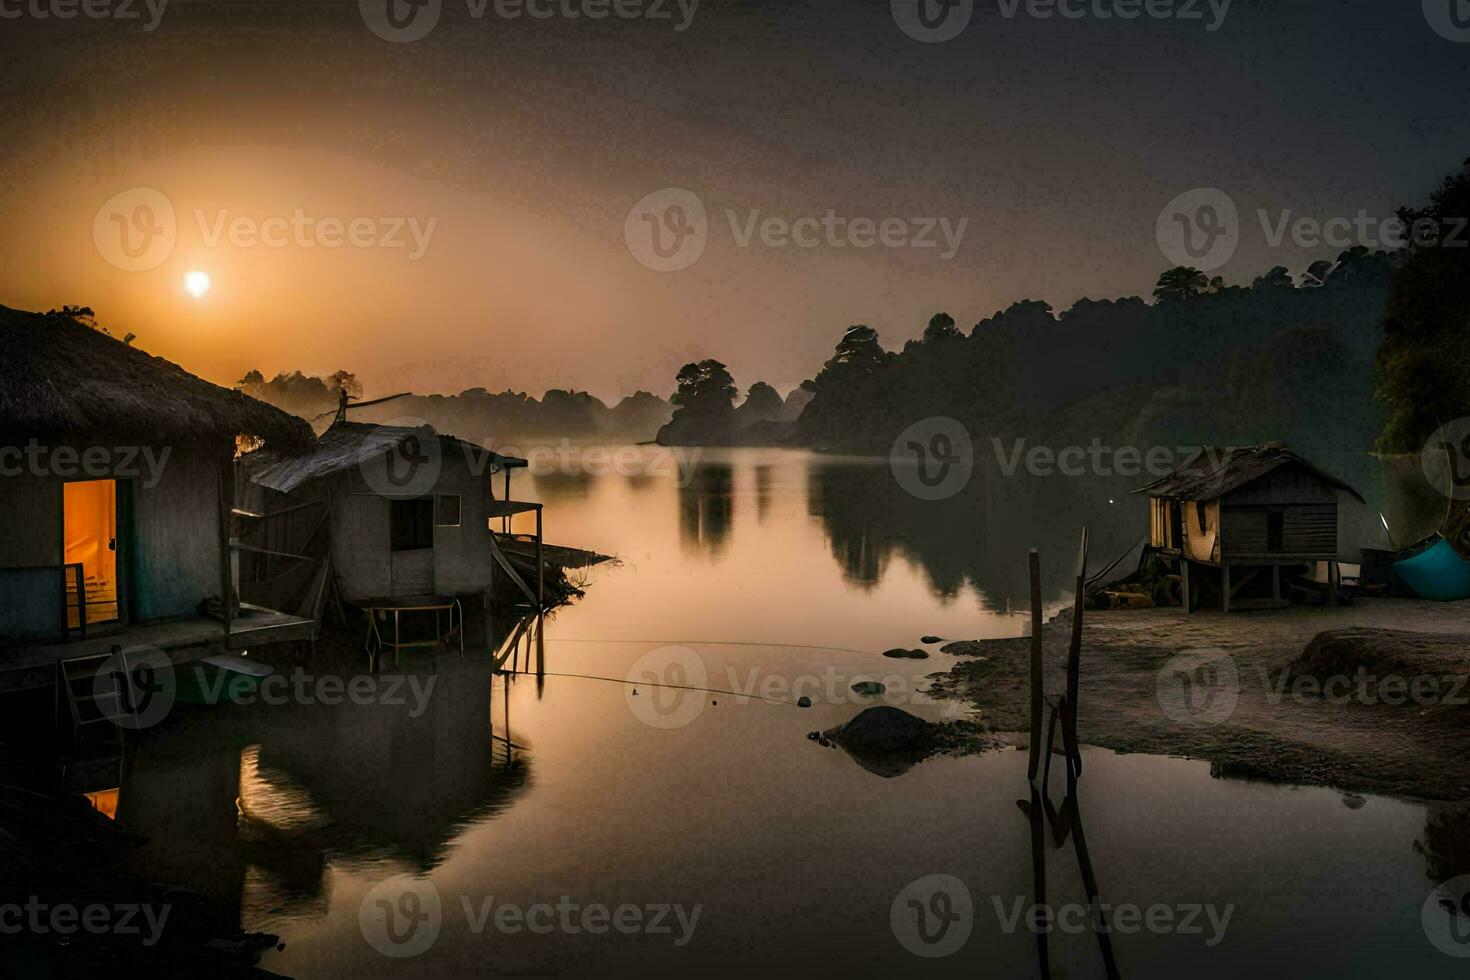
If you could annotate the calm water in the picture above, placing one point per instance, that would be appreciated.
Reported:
(775, 573)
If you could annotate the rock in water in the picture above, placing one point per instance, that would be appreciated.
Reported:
(899, 653)
(882, 729)
(931, 639)
(869, 687)
(803, 702)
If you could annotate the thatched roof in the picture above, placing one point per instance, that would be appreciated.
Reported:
(348, 444)
(62, 379)
(1215, 471)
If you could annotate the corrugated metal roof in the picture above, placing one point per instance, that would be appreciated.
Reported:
(348, 444)
(1214, 471)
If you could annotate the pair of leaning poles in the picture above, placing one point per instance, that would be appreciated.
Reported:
(1068, 821)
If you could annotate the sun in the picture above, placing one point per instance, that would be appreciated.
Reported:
(196, 283)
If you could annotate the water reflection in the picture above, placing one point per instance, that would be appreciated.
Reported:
(290, 815)
(1446, 842)
(764, 478)
(706, 508)
(251, 806)
(969, 541)
(857, 509)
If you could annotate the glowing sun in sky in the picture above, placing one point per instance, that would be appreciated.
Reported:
(196, 283)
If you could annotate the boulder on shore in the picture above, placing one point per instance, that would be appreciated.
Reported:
(883, 729)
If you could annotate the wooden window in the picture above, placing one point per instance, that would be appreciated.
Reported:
(1275, 530)
(446, 510)
(411, 524)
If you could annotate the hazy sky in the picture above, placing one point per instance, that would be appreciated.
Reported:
(454, 211)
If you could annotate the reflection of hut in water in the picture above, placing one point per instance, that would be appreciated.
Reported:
(181, 794)
(373, 782)
(248, 809)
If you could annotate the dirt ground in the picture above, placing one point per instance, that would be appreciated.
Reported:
(1239, 706)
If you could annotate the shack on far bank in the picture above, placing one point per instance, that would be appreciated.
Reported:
(1227, 515)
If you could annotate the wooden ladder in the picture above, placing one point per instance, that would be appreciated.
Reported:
(86, 697)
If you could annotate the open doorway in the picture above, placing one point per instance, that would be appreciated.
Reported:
(89, 530)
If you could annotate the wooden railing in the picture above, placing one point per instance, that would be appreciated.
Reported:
(71, 584)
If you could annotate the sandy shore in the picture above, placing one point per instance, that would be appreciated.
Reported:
(1242, 710)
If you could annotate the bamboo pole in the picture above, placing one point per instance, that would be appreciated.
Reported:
(1084, 861)
(1035, 814)
(540, 564)
(1036, 677)
(1074, 658)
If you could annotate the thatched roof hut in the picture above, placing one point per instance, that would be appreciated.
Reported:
(62, 379)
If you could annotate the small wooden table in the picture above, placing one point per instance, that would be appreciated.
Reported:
(380, 609)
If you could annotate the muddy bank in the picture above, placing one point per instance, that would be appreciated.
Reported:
(1253, 705)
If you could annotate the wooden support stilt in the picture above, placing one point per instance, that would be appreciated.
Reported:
(1184, 584)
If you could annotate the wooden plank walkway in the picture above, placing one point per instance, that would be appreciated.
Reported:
(184, 639)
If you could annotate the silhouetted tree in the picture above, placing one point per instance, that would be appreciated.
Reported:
(344, 381)
(1181, 282)
(1277, 278)
(941, 328)
(762, 404)
(704, 388)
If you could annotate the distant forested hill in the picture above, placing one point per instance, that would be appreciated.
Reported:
(476, 414)
(1204, 363)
